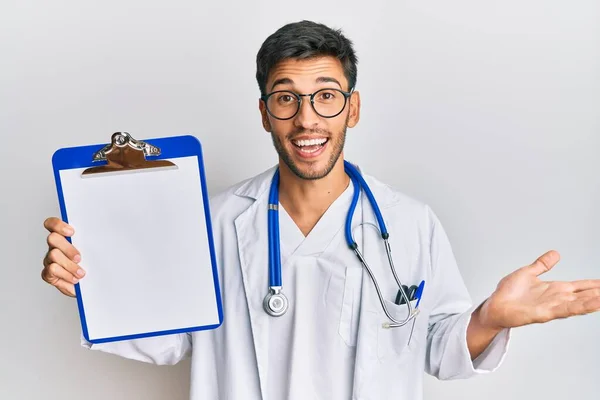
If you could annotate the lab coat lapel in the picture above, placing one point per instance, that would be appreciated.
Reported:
(252, 240)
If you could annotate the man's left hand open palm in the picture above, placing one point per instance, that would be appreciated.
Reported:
(521, 298)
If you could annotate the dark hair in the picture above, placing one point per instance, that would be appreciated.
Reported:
(304, 40)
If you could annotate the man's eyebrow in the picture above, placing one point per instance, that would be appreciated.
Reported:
(282, 81)
(321, 79)
(328, 79)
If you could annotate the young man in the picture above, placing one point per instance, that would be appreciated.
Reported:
(331, 342)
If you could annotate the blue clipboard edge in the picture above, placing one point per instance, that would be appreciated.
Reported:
(171, 147)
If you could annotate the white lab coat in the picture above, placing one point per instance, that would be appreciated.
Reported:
(231, 362)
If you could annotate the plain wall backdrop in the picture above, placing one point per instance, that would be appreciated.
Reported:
(487, 111)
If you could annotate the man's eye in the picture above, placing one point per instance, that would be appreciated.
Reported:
(326, 96)
(286, 98)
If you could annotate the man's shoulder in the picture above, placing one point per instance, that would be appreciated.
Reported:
(393, 196)
(228, 195)
(400, 205)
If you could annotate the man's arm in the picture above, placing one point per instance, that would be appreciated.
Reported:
(453, 318)
(479, 336)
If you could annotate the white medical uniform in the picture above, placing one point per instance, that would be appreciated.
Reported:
(330, 344)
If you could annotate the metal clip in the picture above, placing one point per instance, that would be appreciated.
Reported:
(125, 153)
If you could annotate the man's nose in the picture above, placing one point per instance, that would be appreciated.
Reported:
(306, 117)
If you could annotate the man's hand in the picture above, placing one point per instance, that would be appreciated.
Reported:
(521, 298)
(60, 263)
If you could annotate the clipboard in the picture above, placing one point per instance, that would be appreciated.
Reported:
(142, 223)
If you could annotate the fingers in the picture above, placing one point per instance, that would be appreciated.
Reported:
(593, 305)
(59, 266)
(51, 275)
(585, 285)
(588, 294)
(65, 288)
(585, 305)
(544, 263)
(54, 224)
(59, 242)
(584, 302)
(54, 272)
(60, 278)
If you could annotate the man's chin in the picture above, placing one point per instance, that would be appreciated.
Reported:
(310, 170)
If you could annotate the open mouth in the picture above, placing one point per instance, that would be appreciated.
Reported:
(310, 146)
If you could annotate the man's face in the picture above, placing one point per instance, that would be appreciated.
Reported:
(308, 143)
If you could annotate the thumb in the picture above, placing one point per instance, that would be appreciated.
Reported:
(544, 263)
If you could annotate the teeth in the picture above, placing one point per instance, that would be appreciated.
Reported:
(311, 142)
(310, 151)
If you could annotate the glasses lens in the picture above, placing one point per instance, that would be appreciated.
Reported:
(283, 104)
(329, 102)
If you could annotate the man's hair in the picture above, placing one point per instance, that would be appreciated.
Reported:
(305, 40)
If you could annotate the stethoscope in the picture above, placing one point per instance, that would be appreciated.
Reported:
(275, 302)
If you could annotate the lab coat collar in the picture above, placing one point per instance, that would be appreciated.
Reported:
(256, 186)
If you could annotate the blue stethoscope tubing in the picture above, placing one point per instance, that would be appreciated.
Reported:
(275, 303)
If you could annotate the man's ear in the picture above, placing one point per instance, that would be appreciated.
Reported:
(354, 115)
(264, 115)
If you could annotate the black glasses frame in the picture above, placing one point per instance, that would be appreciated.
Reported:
(299, 96)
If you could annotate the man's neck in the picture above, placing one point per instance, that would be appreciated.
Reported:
(307, 200)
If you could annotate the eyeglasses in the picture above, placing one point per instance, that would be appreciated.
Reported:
(285, 104)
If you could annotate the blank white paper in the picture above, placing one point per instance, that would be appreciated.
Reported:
(144, 245)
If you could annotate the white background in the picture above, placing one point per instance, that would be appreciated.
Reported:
(488, 111)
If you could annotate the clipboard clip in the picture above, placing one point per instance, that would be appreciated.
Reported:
(125, 153)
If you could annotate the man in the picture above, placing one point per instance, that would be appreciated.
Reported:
(332, 342)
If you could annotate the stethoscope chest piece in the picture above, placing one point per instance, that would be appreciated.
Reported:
(275, 302)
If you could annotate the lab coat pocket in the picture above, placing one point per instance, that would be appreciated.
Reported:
(395, 342)
(350, 305)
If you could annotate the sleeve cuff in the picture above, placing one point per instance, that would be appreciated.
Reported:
(493, 356)
(160, 350)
